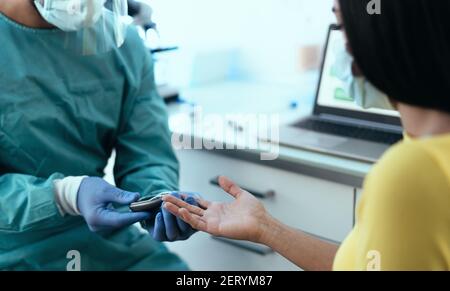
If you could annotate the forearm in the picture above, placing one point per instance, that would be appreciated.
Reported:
(145, 161)
(28, 203)
(307, 252)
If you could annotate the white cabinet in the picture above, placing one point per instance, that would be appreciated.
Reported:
(316, 206)
(358, 194)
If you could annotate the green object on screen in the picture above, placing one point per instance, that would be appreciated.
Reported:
(340, 94)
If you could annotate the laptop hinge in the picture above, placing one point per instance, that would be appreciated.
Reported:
(361, 122)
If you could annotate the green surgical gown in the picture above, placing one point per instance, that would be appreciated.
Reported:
(62, 114)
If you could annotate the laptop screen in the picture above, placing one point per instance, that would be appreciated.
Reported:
(332, 91)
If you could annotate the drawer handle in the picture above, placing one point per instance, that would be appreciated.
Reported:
(257, 194)
(247, 246)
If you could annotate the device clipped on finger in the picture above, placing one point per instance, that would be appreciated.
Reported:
(149, 204)
(153, 205)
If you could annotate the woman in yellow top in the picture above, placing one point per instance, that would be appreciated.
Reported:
(403, 219)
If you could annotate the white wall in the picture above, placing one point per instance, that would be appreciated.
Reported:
(265, 35)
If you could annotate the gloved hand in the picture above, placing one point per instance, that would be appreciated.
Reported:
(166, 226)
(94, 200)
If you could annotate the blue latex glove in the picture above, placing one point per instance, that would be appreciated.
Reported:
(167, 227)
(95, 198)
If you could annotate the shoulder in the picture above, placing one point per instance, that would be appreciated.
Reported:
(135, 59)
(408, 159)
(134, 51)
(133, 39)
(409, 172)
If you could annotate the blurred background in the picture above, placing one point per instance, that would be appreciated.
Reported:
(274, 41)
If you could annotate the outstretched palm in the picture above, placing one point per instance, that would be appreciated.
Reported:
(240, 219)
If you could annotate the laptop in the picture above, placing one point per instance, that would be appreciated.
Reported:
(338, 126)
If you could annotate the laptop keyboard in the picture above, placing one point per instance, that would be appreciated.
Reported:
(351, 131)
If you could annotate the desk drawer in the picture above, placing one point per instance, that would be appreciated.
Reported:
(316, 206)
(203, 253)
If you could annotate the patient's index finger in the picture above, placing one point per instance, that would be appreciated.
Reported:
(181, 204)
(230, 187)
(193, 220)
(175, 210)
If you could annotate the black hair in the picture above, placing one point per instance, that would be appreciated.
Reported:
(405, 50)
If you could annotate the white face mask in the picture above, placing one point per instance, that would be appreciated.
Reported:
(361, 90)
(70, 15)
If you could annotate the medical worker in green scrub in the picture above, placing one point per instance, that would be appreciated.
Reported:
(75, 83)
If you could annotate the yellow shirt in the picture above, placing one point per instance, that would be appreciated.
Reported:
(403, 218)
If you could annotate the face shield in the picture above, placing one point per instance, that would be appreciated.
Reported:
(89, 26)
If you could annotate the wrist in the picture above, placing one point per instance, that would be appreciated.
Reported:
(66, 195)
(267, 229)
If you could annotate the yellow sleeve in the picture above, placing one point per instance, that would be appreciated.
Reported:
(403, 218)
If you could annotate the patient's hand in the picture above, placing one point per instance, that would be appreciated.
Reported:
(242, 219)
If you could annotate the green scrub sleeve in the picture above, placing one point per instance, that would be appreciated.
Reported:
(145, 161)
(28, 203)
